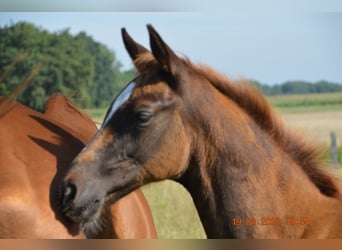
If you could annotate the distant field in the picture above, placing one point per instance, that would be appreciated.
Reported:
(307, 102)
(172, 208)
(315, 115)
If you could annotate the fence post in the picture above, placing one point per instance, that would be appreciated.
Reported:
(333, 148)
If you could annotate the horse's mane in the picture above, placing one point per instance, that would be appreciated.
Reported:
(306, 154)
(254, 103)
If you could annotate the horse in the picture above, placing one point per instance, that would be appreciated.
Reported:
(248, 174)
(36, 150)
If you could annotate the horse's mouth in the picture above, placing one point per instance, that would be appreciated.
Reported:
(93, 218)
(84, 212)
(89, 217)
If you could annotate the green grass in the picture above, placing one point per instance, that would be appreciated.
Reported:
(172, 208)
(96, 114)
(173, 211)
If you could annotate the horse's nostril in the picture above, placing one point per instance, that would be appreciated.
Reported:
(69, 195)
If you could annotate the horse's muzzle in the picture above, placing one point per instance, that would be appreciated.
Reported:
(78, 208)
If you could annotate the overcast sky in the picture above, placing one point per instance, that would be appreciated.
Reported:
(266, 46)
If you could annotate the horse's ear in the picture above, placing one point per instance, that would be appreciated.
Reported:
(134, 49)
(165, 56)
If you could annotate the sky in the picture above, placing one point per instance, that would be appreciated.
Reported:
(268, 46)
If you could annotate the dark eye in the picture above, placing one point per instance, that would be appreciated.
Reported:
(143, 118)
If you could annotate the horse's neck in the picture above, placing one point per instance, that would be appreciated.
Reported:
(238, 171)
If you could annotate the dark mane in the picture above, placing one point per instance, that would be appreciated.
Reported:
(253, 102)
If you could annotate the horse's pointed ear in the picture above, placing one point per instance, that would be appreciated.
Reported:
(133, 48)
(162, 52)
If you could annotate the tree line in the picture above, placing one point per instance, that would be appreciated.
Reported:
(82, 68)
(298, 87)
(74, 65)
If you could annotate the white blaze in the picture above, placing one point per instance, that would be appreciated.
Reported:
(118, 102)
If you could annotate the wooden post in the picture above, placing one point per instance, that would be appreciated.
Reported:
(333, 148)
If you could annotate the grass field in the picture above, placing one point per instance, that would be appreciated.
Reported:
(172, 208)
(315, 115)
(307, 103)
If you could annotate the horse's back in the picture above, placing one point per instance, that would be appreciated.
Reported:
(34, 147)
(26, 171)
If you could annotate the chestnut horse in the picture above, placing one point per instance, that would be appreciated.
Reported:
(248, 175)
(35, 153)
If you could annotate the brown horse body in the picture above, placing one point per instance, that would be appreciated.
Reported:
(35, 153)
(249, 177)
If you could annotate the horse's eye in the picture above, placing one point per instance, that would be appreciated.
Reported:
(143, 118)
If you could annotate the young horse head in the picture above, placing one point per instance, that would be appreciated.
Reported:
(248, 176)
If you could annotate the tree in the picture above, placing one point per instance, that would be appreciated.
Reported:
(298, 87)
(73, 65)
(67, 65)
(107, 71)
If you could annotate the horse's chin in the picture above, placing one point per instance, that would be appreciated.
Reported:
(95, 224)
(92, 227)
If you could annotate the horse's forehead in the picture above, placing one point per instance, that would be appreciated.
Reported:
(135, 91)
(156, 89)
